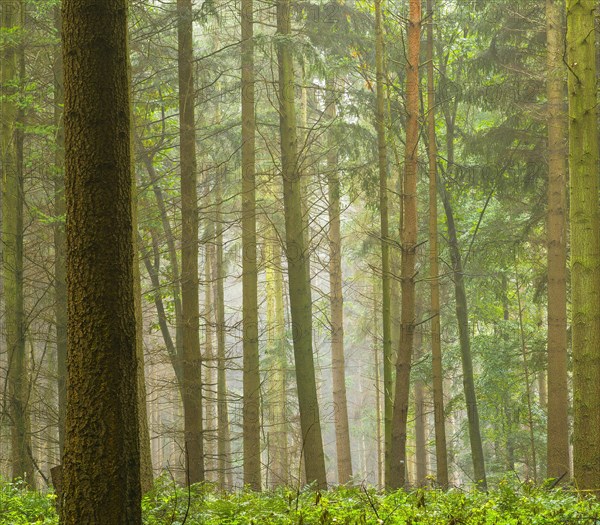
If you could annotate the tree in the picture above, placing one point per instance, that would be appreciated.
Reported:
(336, 301)
(102, 459)
(558, 390)
(297, 258)
(190, 307)
(408, 241)
(12, 67)
(249, 266)
(386, 311)
(585, 241)
(441, 453)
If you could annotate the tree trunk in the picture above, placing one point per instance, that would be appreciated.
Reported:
(12, 67)
(297, 258)
(585, 242)
(385, 238)
(219, 274)
(342, 431)
(441, 453)
(408, 241)
(60, 242)
(277, 364)
(462, 316)
(191, 358)
(420, 421)
(558, 398)
(251, 379)
(101, 473)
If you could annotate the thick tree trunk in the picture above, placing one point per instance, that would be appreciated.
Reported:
(251, 379)
(101, 474)
(441, 453)
(585, 241)
(297, 258)
(342, 431)
(558, 399)
(408, 241)
(191, 357)
(385, 239)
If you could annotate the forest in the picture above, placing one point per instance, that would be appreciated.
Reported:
(299, 261)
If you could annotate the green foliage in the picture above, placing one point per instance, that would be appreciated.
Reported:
(168, 504)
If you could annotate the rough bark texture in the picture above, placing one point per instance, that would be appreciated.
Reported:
(190, 307)
(558, 399)
(251, 394)
(585, 241)
(408, 241)
(101, 461)
(336, 301)
(441, 452)
(297, 258)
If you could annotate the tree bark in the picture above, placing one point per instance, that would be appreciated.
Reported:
(190, 308)
(408, 241)
(441, 452)
(251, 378)
(297, 258)
(336, 301)
(558, 390)
(101, 473)
(385, 240)
(585, 241)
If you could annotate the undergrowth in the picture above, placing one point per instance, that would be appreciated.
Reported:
(508, 504)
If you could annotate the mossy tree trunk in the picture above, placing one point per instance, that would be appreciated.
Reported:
(558, 389)
(190, 307)
(251, 378)
(585, 241)
(101, 467)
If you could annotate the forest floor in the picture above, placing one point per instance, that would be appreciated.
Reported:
(508, 504)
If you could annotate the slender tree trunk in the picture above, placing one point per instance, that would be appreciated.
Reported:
(420, 421)
(558, 399)
(211, 425)
(277, 365)
(585, 241)
(251, 380)
(527, 374)
(378, 389)
(101, 475)
(441, 453)
(12, 67)
(385, 238)
(297, 258)
(219, 274)
(60, 242)
(342, 431)
(191, 358)
(408, 241)
(462, 316)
